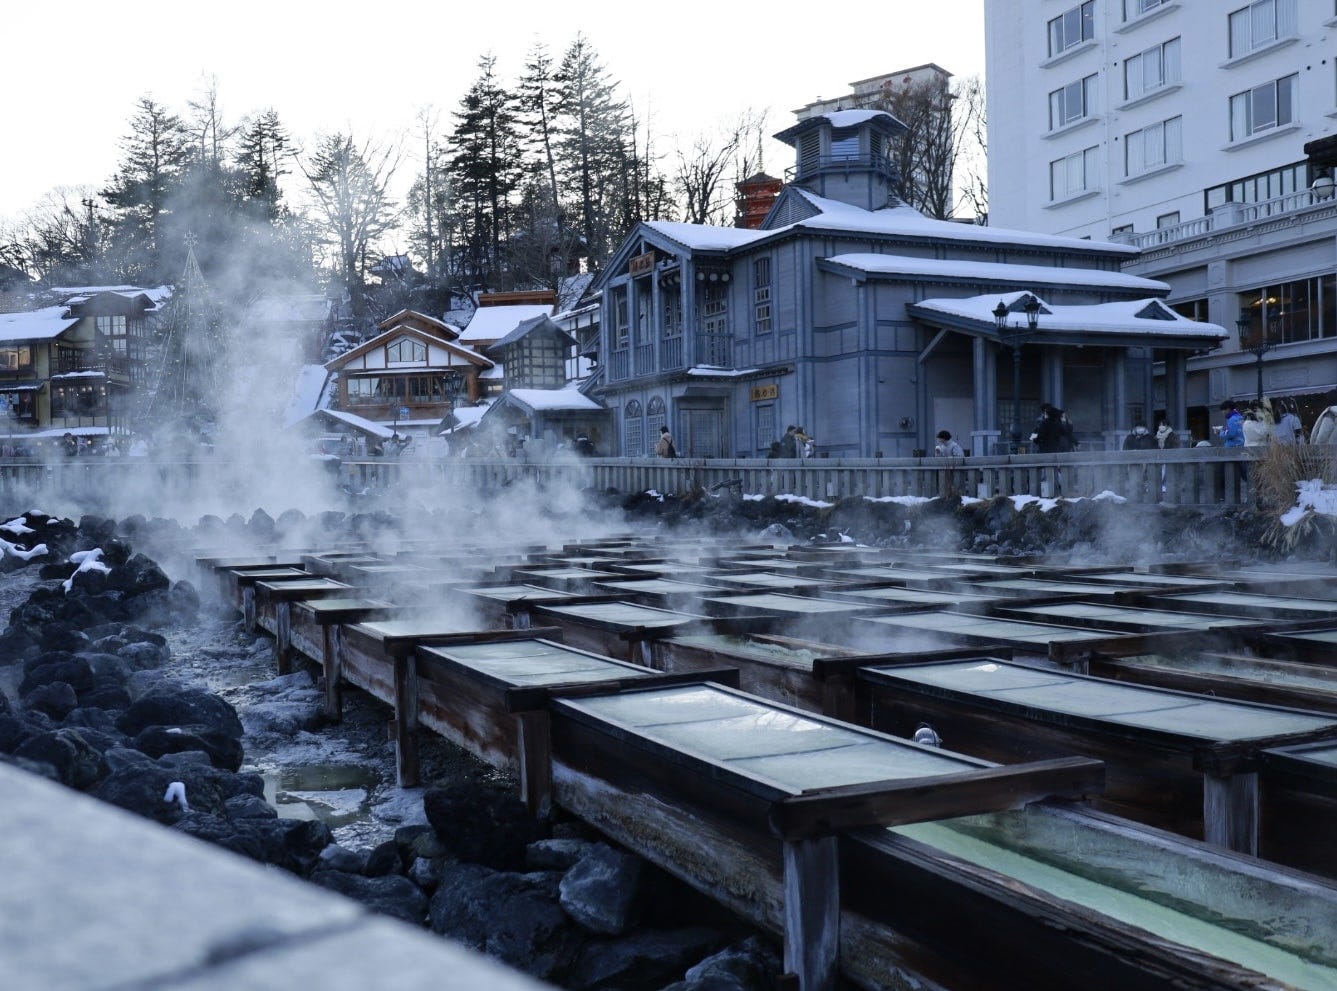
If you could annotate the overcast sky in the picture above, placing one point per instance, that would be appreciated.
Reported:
(74, 70)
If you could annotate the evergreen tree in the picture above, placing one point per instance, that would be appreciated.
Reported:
(485, 172)
(155, 153)
(592, 156)
(262, 148)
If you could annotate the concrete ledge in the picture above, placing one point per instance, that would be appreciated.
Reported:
(97, 898)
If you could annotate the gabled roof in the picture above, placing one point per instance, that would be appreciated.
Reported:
(540, 325)
(492, 323)
(45, 324)
(531, 401)
(420, 321)
(380, 340)
(1132, 322)
(339, 418)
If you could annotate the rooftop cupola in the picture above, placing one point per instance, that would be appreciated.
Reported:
(846, 155)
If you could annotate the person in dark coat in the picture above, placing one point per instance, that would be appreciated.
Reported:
(1140, 439)
(789, 442)
(1048, 434)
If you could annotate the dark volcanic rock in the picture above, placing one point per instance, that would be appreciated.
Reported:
(292, 844)
(481, 824)
(600, 891)
(56, 699)
(747, 966)
(388, 894)
(644, 959)
(224, 751)
(183, 708)
(514, 918)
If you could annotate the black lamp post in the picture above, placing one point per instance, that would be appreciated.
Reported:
(1258, 344)
(1014, 337)
(453, 384)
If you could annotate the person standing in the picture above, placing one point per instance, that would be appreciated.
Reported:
(789, 443)
(947, 447)
(665, 448)
(1048, 435)
(805, 445)
(1068, 437)
(1141, 439)
(1288, 429)
(1232, 433)
(1324, 430)
(1166, 438)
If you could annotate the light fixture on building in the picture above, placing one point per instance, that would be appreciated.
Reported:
(1014, 337)
(1323, 185)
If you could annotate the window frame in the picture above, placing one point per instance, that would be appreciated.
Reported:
(1057, 28)
(1059, 98)
(1251, 95)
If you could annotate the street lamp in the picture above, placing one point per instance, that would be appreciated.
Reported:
(1014, 336)
(1261, 342)
(1323, 184)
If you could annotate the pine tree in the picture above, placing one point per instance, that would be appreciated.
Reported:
(155, 153)
(262, 149)
(485, 172)
(592, 155)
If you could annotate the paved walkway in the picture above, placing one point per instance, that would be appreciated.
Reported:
(97, 899)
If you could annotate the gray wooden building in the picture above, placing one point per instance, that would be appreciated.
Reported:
(871, 325)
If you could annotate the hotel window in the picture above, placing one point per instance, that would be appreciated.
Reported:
(655, 417)
(1121, 230)
(1072, 102)
(1304, 310)
(1074, 174)
(1148, 71)
(670, 302)
(1260, 24)
(1191, 309)
(1259, 187)
(1136, 8)
(1270, 105)
(1072, 27)
(1151, 147)
(761, 295)
(405, 350)
(14, 357)
(1165, 220)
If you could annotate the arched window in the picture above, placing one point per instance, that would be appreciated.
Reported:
(655, 417)
(633, 430)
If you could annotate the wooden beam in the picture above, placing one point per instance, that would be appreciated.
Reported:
(944, 796)
(406, 721)
(248, 608)
(532, 698)
(333, 663)
(534, 745)
(1230, 811)
(283, 637)
(812, 912)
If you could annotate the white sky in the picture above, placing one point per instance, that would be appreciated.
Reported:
(76, 69)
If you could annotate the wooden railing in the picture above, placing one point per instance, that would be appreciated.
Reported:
(1193, 477)
(1190, 477)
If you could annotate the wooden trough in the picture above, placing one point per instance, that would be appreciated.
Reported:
(1175, 760)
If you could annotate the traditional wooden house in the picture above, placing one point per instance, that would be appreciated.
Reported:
(76, 366)
(412, 375)
(836, 315)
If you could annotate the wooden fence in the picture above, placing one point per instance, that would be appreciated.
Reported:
(1188, 477)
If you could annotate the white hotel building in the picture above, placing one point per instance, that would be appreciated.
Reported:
(1203, 133)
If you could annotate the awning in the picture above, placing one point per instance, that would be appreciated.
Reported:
(22, 386)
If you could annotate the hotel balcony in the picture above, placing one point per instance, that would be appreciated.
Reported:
(1236, 219)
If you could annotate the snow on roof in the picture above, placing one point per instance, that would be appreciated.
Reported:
(79, 375)
(82, 294)
(715, 371)
(62, 431)
(908, 222)
(875, 264)
(353, 420)
(492, 323)
(852, 118)
(35, 325)
(553, 399)
(466, 417)
(704, 237)
(497, 372)
(306, 393)
(1109, 318)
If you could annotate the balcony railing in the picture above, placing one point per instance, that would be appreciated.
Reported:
(645, 359)
(670, 353)
(714, 349)
(878, 164)
(619, 365)
(1227, 216)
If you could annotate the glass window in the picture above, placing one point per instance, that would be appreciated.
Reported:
(620, 325)
(1153, 146)
(1122, 229)
(655, 417)
(1072, 27)
(1270, 105)
(633, 430)
(1291, 312)
(1152, 69)
(1191, 309)
(1074, 174)
(761, 295)
(1260, 24)
(1255, 188)
(1136, 8)
(1073, 102)
(1167, 220)
(406, 350)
